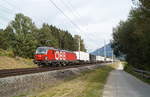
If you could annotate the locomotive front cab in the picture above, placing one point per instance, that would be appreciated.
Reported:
(41, 53)
(41, 56)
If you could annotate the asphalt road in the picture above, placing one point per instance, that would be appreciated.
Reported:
(122, 84)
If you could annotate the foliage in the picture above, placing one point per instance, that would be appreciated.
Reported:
(24, 42)
(132, 37)
(23, 37)
(77, 38)
(8, 53)
(128, 68)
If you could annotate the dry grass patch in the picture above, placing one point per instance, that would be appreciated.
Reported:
(115, 65)
(12, 63)
(67, 89)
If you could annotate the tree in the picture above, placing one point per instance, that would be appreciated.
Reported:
(23, 37)
(6, 38)
(45, 37)
(24, 42)
(132, 37)
(82, 47)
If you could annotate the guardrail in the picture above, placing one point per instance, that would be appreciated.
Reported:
(144, 74)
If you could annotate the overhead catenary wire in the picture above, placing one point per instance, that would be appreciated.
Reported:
(78, 15)
(74, 14)
(6, 8)
(70, 9)
(5, 12)
(10, 4)
(11, 9)
(71, 21)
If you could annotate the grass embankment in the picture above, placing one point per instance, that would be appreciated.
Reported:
(115, 65)
(7, 61)
(88, 84)
(129, 69)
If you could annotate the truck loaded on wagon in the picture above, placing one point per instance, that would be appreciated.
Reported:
(49, 56)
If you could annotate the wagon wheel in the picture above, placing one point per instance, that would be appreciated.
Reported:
(64, 64)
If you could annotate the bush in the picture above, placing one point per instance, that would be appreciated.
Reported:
(6, 53)
(129, 68)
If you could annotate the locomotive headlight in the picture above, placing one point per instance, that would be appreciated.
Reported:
(46, 58)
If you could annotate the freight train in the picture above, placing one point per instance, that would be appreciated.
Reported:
(49, 56)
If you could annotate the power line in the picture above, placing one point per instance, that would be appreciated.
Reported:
(66, 16)
(74, 13)
(71, 6)
(5, 10)
(70, 9)
(10, 4)
(78, 15)
(4, 18)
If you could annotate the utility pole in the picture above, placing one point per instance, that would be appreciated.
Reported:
(99, 51)
(79, 47)
(105, 50)
(112, 55)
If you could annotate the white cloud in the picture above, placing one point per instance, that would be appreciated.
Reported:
(95, 17)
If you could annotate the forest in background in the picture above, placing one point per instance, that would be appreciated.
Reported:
(131, 38)
(21, 37)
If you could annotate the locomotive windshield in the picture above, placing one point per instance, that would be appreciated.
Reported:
(41, 50)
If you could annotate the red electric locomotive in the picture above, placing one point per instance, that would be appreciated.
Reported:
(51, 56)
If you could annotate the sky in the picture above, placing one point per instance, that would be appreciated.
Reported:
(94, 18)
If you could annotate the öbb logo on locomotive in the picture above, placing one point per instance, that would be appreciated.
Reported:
(60, 55)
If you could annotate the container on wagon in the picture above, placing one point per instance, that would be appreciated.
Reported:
(100, 58)
(82, 56)
(92, 58)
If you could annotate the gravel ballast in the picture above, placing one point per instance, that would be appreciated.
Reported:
(30, 83)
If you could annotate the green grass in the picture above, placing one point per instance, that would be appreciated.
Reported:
(128, 69)
(96, 81)
(22, 95)
(88, 84)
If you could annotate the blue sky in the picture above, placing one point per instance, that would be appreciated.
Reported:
(96, 18)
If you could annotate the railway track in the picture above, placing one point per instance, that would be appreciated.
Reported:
(22, 71)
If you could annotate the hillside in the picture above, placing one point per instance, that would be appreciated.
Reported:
(12, 63)
(7, 61)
